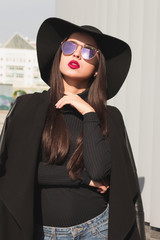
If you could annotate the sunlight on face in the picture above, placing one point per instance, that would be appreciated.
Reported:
(86, 68)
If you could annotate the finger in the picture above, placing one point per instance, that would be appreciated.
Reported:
(100, 190)
(64, 100)
(103, 188)
(59, 101)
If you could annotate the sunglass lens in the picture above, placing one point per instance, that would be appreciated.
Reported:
(88, 52)
(68, 47)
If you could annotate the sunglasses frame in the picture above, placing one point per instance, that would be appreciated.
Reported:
(87, 45)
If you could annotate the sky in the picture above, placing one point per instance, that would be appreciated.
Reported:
(23, 17)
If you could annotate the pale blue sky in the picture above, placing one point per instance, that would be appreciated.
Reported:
(23, 17)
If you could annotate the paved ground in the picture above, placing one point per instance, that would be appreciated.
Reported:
(150, 234)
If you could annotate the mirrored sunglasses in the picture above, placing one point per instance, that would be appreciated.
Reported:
(88, 52)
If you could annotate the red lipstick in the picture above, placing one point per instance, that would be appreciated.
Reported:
(73, 64)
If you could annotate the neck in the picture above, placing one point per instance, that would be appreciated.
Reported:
(74, 87)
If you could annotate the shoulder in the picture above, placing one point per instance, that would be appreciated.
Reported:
(115, 119)
(114, 112)
(28, 103)
(32, 97)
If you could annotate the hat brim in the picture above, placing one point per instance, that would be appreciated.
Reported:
(116, 52)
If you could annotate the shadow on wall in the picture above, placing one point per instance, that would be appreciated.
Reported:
(141, 183)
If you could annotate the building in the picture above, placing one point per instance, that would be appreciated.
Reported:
(18, 64)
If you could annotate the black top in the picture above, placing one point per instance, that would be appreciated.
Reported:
(62, 202)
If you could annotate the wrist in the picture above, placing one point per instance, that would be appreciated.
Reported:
(88, 111)
(85, 177)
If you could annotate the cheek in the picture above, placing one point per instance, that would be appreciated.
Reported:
(90, 69)
(62, 64)
(92, 66)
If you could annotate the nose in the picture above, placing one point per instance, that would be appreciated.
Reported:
(77, 52)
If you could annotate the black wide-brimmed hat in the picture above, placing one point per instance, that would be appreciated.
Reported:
(116, 52)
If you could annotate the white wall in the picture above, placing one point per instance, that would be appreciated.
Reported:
(138, 23)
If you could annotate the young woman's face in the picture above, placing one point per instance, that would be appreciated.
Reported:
(73, 66)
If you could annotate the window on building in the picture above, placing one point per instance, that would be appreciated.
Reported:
(20, 75)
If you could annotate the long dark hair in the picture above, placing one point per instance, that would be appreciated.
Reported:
(55, 138)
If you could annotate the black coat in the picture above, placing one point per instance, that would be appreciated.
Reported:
(19, 145)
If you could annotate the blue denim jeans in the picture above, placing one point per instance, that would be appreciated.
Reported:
(95, 228)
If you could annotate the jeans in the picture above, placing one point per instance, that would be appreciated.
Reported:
(95, 228)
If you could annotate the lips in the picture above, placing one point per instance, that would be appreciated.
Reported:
(73, 64)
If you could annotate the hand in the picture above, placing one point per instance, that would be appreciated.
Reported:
(76, 102)
(101, 186)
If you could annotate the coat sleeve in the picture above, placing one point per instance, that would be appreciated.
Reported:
(128, 181)
(2, 140)
(9, 228)
(138, 203)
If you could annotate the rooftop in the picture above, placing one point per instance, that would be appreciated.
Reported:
(18, 42)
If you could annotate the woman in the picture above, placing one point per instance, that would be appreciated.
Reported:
(67, 147)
